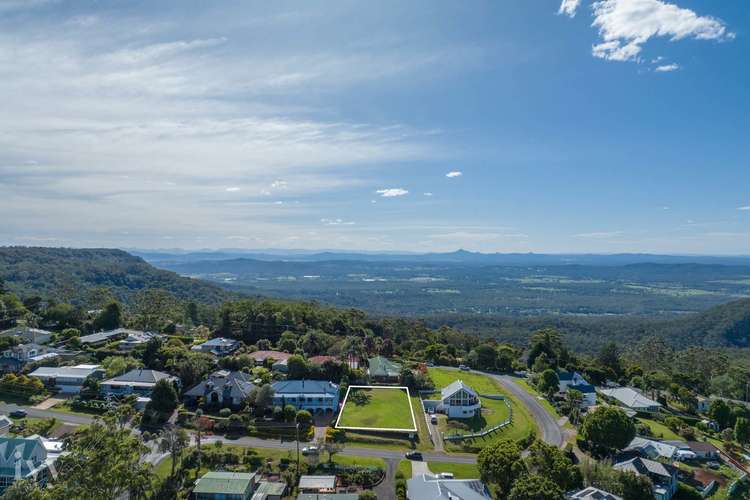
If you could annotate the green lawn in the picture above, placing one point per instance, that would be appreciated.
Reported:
(493, 411)
(460, 471)
(404, 467)
(384, 408)
(660, 430)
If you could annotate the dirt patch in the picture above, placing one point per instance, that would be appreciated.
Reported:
(62, 431)
(706, 476)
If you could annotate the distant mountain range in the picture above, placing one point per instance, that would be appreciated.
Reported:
(457, 257)
(70, 274)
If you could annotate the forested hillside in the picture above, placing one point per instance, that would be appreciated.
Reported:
(70, 275)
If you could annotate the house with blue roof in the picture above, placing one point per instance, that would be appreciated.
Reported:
(315, 396)
(576, 382)
(25, 459)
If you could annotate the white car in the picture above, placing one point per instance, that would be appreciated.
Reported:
(310, 450)
(446, 475)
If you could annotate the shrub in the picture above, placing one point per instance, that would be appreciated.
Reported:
(225, 412)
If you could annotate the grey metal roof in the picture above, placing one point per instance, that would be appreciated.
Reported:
(317, 482)
(630, 397)
(428, 487)
(78, 371)
(645, 466)
(237, 384)
(454, 387)
(592, 493)
(102, 336)
(140, 376)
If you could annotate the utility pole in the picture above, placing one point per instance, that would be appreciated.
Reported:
(297, 429)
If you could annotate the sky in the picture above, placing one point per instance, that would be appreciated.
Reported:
(541, 126)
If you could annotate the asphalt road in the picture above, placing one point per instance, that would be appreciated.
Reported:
(359, 451)
(6, 408)
(550, 431)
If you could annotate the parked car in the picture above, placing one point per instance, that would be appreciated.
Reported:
(18, 413)
(414, 455)
(434, 419)
(446, 475)
(464, 368)
(310, 450)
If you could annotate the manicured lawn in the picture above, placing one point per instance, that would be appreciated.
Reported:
(460, 471)
(424, 435)
(660, 430)
(352, 460)
(493, 411)
(384, 408)
(404, 467)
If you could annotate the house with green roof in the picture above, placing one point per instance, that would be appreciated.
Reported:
(381, 369)
(24, 458)
(225, 486)
(270, 490)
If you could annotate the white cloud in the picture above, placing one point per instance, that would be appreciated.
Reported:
(569, 7)
(336, 222)
(427, 194)
(232, 189)
(279, 184)
(666, 68)
(626, 25)
(454, 173)
(392, 192)
(745, 208)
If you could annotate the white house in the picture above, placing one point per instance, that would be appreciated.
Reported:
(67, 379)
(219, 346)
(650, 448)
(457, 400)
(630, 398)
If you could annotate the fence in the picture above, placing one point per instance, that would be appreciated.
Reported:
(501, 425)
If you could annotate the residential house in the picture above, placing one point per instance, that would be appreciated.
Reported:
(632, 399)
(218, 346)
(136, 338)
(101, 338)
(28, 335)
(27, 458)
(5, 425)
(317, 484)
(429, 487)
(663, 476)
(225, 486)
(138, 381)
(316, 396)
(575, 381)
(383, 370)
(319, 360)
(592, 493)
(16, 357)
(683, 450)
(67, 379)
(457, 400)
(703, 404)
(270, 490)
(704, 450)
(650, 448)
(260, 357)
(222, 388)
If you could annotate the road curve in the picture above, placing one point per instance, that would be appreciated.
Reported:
(550, 431)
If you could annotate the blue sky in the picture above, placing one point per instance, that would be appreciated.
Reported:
(609, 126)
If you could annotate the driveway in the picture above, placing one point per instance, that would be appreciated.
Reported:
(551, 433)
(419, 467)
(386, 490)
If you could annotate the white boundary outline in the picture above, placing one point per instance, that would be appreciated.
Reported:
(377, 429)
